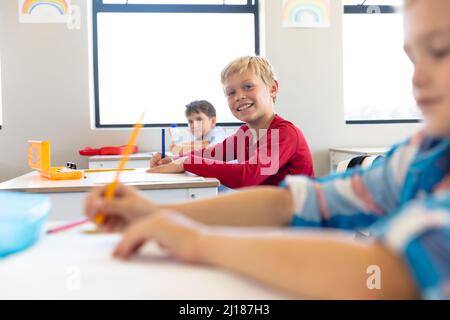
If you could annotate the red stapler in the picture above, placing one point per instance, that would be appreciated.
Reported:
(103, 151)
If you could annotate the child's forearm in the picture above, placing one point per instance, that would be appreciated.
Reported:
(262, 206)
(326, 265)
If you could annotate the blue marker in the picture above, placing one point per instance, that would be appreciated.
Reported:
(163, 143)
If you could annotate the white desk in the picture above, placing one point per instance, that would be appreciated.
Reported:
(341, 154)
(68, 196)
(137, 160)
(72, 265)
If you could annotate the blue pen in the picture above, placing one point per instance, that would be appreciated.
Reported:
(163, 143)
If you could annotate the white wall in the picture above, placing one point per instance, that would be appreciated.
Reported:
(45, 78)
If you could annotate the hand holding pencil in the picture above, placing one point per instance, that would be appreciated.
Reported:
(109, 194)
(125, 207)
(158, 160)
(110, 189)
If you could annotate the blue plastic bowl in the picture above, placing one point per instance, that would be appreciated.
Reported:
(22, 216)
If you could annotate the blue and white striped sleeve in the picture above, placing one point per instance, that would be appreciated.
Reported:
(420, 234)
(354, 199)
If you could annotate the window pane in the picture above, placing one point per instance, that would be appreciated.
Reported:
(159, 62)
(377, 73)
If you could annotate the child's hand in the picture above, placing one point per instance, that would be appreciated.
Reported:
(126, 206)
(173, 167)
(157, 160)
(179, 235)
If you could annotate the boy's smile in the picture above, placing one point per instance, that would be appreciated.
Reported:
(428, 103)
(244, 107)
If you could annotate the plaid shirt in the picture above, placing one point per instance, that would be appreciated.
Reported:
(403, 200)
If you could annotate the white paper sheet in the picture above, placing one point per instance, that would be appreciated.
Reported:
(142, 177)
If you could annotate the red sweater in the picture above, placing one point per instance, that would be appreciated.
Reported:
(282, 151)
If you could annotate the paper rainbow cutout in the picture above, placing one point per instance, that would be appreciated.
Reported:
(60, 5)
(306, 12)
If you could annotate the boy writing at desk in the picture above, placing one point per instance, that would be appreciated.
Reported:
(201, 116)
(264, 150)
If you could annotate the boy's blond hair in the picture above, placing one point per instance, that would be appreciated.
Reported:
(258, 65)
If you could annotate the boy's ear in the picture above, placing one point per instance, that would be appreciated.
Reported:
(274, 89)
(213, 122)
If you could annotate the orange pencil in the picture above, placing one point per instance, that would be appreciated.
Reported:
(111, 189)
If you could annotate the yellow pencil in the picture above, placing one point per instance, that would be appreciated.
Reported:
(111, 189)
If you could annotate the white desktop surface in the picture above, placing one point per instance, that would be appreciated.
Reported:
(68, 196)
(34, 182)
(74, 265)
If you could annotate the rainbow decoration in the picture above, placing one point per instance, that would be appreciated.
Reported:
(306, 13)
(60, 5)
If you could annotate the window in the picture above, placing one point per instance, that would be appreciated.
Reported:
(377, 73)
(157, 56)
